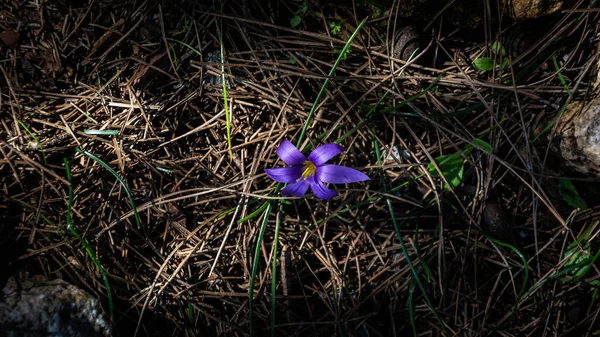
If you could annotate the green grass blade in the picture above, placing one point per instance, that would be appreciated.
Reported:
(37, 141)
(324, 86)
(225, 103)
(224, 82)
(337, 312)
(175, 62)
(255, 213)
(86, 244)
(403, 247)
(274, 271)
(521, 256)
(411, 309)
(560, 75)
(123, 183)
(187, 46)
(33, 208)
(261, 234)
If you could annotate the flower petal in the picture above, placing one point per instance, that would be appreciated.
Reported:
(290, 154)
(323, 153)
(296, 189)
(285, 174)
(336, 174)
(320, 190)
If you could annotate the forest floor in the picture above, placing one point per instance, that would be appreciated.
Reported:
(134, 137)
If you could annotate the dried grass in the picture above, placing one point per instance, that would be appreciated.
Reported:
(114, 66)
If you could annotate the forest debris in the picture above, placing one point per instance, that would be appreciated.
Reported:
(10, 38)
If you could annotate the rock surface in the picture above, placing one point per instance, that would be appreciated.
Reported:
(496, 219)
(580, 130)
(530, 9)
(38, 307)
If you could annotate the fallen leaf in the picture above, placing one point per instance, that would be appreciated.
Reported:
(10, 38)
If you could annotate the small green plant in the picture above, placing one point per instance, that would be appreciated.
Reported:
(452, 166)
(297, 19)
(569, 194)
(335, 27)
(498, 49)
(37, 141)
(580, 257)
(488, 63)
(88, 248)
(342, 52)
(267, 206)
(119, 179)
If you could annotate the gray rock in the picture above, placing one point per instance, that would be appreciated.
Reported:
(38, 307)
(580, 136)
(530, 9)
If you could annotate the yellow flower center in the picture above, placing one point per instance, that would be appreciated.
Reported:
(309, 169)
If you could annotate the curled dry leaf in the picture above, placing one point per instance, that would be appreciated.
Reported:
(10, 38)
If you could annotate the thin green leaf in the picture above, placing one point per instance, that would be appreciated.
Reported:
(498, 48)
(261, 235)
(560, 75)
(579, 256)
(485, 146)
(336, 311)
(175, 62)
(37, 141)
(570, 195)
(521, 256)
(187, 46)
(414, 274)
(255, 213)
(123, 183)
(190, 311)
(579, 263)
(88, 248)
(274, 272)
(331, 72)
(225, 100)
(555, 119)
(411, 311)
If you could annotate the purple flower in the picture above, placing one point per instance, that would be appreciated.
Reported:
(312, 172)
